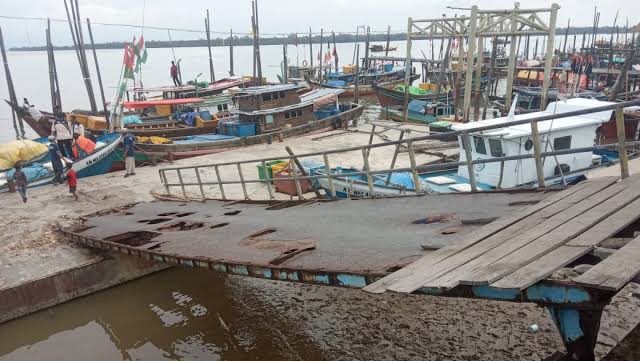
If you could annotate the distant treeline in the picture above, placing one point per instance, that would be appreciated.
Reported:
(293, 39)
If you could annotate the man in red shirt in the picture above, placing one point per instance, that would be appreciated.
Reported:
(72, 180)
(174, 74)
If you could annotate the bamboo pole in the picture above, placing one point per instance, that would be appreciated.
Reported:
(231, 72)
(492, 64)
(477, 95)
(95, 60)
(407, 73)
(12, 91)
(207, 26)
(471, 50)
(327, 169)
(549, 56)
(512, 64)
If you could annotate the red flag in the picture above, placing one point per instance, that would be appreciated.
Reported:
(335, 51)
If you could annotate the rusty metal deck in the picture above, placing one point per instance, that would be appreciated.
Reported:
(348, 242)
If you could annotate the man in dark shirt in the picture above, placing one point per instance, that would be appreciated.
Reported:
(56, 160)
(20, 180)
(174, 74)
(129, 153)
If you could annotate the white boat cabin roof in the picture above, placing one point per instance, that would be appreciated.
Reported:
(558, 107)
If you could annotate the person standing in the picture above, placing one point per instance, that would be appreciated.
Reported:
(72, 180)
(56, 160)
(174, 74)
(76, 127)
(20, 180)
(64, 135)
(129, 153)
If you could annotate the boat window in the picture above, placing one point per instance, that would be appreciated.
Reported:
(478, 143)
(562, 143)
(266, 97)
(286, 115)
(495, 146)
(225, 106)
(299, 112)
(281, 94)
(528, 145)
(268, 119)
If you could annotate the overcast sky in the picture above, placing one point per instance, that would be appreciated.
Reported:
(276, 16)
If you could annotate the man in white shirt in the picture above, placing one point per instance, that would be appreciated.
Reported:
(33, 111)
(76, 126)
(63, 133)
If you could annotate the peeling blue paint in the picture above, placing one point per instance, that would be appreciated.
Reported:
(557, 294)
(352, 280)
(219, 267)
(186, 262)
(239, 270)
(321, 278)
(262, 272)
(568, 322)
(493, 293)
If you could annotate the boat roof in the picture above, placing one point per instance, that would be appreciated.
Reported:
(320, 93)
(221, 84)
(256, 90)
(152, 103)
(544, 126)
(276, 110)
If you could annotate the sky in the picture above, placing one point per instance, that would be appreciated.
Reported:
(276, 16)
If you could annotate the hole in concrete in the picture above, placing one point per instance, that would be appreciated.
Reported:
(450, 230)
(181, 226)
(182, 204)
(232, 213)
(154, 221)
(134, 239)
(220, 225)
(167, 214)
(185, 214)
(441, 218)
(263, 232)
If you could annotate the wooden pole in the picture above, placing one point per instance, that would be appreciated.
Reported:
(321, 61)
(256, 82)
(356, 92)
(512, 64)
(549, 56)
(83, 55)
(301, 168)
(310, 49)
(477, 95)
(258, 57)
(407, 72)
(336, 50)
(12, 91)
(95, 60)
(207, 26)
(76, 45)
(285, 63)
(52, 83)
(566, 37)
(494, 50)
(231, 72)
(537, 149)
(471, 50)
(366, 50)
(622, 151)
(386, 51)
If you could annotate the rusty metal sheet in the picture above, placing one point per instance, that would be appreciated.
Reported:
(346, 242)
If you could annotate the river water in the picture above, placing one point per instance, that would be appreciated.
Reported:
(180, 314)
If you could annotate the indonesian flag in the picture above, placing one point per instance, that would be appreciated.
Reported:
(129, 59)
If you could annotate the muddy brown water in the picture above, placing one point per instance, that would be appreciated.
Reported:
(180, 314)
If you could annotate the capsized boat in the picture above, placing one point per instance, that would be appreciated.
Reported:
(98, 162)
(557, 134)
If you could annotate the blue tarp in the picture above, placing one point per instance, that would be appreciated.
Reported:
(417, 106)
(336, 83)
(204, 138)
(131, 119)
(188, 118)
(404, 179)
(32, 172)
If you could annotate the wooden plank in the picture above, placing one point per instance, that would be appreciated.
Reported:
(488, 253)
(542, 267)
(616, 271)
(500, 224)
(609, 227)
(460, 257)
(594, 210)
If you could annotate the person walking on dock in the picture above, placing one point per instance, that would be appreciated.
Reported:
(63, 133)
(129, 153)
(56, 160)
(72, 180)
(20, 180)
(174, 74)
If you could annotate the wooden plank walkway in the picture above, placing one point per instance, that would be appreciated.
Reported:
(518, 251)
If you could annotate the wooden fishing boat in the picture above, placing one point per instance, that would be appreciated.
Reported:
(419, 112)
(346, 81)
(96, 163)
(189, 90)
(380, 48)
(390, 94)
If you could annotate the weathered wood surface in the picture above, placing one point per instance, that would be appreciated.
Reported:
(519, 250)
(614, 272)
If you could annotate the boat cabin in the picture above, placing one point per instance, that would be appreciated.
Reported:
(273, 107)
(555, 135)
